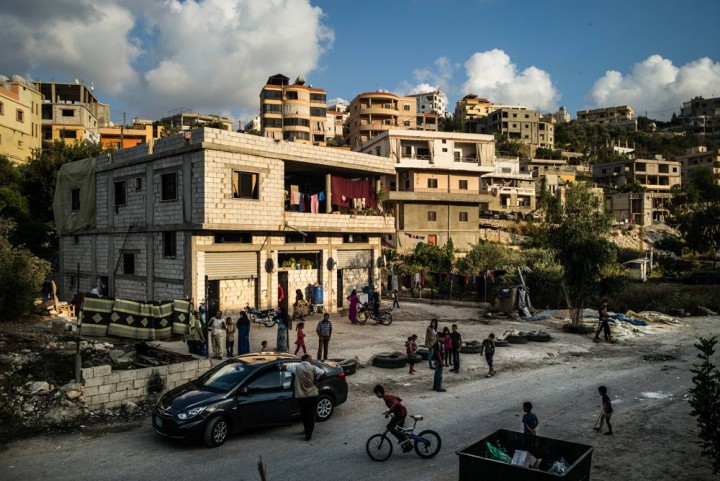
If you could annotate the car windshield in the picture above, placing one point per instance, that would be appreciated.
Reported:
(224, 377)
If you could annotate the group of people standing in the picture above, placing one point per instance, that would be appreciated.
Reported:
(443, 349)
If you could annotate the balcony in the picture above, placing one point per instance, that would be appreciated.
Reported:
(336, 222)
(436, 195)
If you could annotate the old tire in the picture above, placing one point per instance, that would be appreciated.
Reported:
(325, 408)
(501, 343)
(471, 349)
(394, 360)
(423, 353)
(349, 366)
(216, 432)
(517, 339)
(539, 337)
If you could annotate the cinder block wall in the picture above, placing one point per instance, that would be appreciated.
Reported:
(105, 388)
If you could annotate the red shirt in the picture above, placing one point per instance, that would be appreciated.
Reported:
(394, 405)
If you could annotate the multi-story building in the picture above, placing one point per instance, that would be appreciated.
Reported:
(122, 137)
(699, 158)
(253, 125)
(641, 208)
(472, 107)
(607, 115)
(20, 121)
(72, 113)
(701, 115)
(181, 120)
(223, 217)
(294, 112)
(435, 191)
(543, 167)
(431, 103)
(371, 113)
(508, 190)
(520, 124)
(654, 175)
(334, 121)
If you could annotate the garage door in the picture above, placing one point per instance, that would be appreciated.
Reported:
(231, 265)
(354, 259)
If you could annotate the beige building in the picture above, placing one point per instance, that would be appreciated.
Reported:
(436, 189)
(655, 175)
(122, 137)
(701, 115)
(560, 168)
(214, 215)
(472, 107)
(371, 113)
(294, 112)
(520, 124)
(182, 120)
(431, 103)
(699, 158)
(72, 113)
(607, 115)
(640, 208)
(20, 131)
(507, 189)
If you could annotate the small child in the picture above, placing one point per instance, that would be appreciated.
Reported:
(230, 336)
(488, 347)
(447, 345)
(529, 420)
(411, 349)
(263, 346)
(300, 339)
(606, 413)
(395, 299)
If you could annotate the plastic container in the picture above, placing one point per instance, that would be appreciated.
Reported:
(474, 466)
(317, 295)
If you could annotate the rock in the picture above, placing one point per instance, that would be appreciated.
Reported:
(129, 407)
(72, 395)
(62, 414)
(38, 387)
(71, 386)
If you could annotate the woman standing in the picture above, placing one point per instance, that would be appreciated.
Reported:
(353, 308)
(282, 332)
(300, 306)
(243, 328)
(430, 338)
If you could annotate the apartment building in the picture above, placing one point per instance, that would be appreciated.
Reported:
(559, 167)
(436, 188)
(72, 113)
(507, 189)
(431, 103)
(253, 125)
(654, 175)
(701, 115)
(294, 112)
(221, 216)
(182, 120)
(372, 113)
(123, 137)
(519, 124)
(472, 107)
(20, 122)
(699, 158)
(606, 115)
(640, 208)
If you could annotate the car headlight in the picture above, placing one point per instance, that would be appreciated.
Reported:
(191, 413)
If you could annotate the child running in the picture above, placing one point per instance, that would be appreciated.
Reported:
(300, 339)
(411, 349)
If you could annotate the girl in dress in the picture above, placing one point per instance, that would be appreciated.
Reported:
(300, 339)
(353, 308)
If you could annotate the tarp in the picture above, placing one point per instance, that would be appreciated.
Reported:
(78, 175)
(134, 319)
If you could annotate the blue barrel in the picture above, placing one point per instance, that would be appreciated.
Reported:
(317, 295)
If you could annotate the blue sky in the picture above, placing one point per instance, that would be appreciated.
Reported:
(146, 58)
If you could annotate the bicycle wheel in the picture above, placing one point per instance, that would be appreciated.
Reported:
(385, 318)
(428, 445)
(379, 447)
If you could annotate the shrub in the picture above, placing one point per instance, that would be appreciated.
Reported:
(705, 400)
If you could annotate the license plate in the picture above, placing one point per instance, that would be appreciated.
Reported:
(158, 421)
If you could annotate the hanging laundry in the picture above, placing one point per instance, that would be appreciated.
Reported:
(300, 204)
(314, 204)
(295, 197)
(321, 196)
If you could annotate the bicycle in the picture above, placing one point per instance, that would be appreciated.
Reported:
(427, 443)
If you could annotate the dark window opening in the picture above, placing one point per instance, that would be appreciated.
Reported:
(67, 112)
(431, 216)
(298, 238)
(169, 186)
(356, 238)
(120, 193)
(169, 244)
(246, 185)
(75, 200)
(128, 263)
(233, 238)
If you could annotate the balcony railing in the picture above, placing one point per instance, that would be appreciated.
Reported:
(473, 160)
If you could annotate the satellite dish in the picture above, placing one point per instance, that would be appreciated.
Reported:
(269, 265)
(331, 263)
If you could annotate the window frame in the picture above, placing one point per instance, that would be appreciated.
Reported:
(75, 199)
(432, 216)
(20, 115)
(236, 193)
(463, 184)
(463, 216)
(169, 244)
(432, 183)
(164, 196)
(123, 200)
(129, 256)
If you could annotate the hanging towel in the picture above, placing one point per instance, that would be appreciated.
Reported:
(295, 197)
(321, 196)
(314, 204)
(300, 204)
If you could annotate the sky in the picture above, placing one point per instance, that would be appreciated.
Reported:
(148, 57)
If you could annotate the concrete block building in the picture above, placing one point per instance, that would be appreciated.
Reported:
(606, 115)
(700, 158)
(223, 217)
(20, 102)
(72, 113)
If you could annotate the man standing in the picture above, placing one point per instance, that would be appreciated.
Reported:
(324, 331)
(603, 322)
(456, 339)
(217, 330)
(306, 392)
(437, 351)
(376, 302)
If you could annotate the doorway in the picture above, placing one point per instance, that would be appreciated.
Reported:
(340, 290)
(283, 282)
(213, 298)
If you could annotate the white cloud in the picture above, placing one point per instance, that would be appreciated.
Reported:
(208, 55)
(492, 75)
(657, 86)
(429, 79)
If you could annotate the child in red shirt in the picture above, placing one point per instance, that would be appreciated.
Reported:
(300, 339)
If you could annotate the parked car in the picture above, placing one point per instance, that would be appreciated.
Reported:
(486, 214)
(244, 392)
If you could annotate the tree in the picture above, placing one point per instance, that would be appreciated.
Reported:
(579, 235)
(450, 124)
(705, 400)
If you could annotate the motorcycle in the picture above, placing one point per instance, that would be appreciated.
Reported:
(266, 317)
(366, 312)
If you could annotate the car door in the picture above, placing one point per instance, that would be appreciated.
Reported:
(266, 399)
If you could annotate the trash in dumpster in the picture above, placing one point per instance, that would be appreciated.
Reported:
(525, 459)
(558, 467)
(497, 453)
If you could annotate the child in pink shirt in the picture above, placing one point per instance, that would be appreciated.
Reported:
(300, 339)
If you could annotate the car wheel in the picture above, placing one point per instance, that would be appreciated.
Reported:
(216, 432)
(325, 408)
(512, 339)
(393, 360)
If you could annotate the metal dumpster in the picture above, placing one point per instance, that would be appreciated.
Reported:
(474, 466)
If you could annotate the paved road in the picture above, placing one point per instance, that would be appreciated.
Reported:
(563, 390)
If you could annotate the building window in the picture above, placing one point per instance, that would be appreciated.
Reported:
(298, 238)
(67, 112)
(20, 115)
(246, 185)
(432, 216)
(291, 95)
(463, 217)
(233, 238)
(432, 239)
(128, 263)
(463, 184)
(2, 108)
(444, 149)
(120, 193)
(169, 244)
(406, 123)
(356, 238)
(168, 186)
(317, 97)
(406, 107)
(432, 183)
(75, 200)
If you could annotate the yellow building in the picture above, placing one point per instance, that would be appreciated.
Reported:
(472, 107)
(121, 137)
(372, 113)
(72, 113)
(20, 102)
(607, 115)
(294, 112)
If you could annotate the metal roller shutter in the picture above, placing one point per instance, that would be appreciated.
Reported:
(354, 259)
(231, 265)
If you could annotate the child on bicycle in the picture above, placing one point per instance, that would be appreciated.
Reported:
(398, 412)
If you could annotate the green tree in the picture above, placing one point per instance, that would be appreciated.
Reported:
(450, 124)
(21, 274)
(579, 235)
(705, 400)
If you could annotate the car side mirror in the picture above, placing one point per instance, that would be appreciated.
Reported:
(243, 391)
